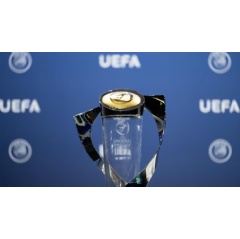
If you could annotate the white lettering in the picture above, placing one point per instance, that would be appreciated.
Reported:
(225, 105)
(216, 106)
(202, 107)
(106, 63)
(125, 60)
(7, 108)
(25, 105)
(234, 107)
(116, 61)
(19, 106)
(134, 62)
(219, 106)
(119, 61)
(34, 107)
(122, 141)
(16, 106)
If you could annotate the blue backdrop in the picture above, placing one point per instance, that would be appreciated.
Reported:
(40, 92)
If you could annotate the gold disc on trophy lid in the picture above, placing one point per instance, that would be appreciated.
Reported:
(121, 100)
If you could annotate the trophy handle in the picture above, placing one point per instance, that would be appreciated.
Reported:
(156, 106)
(84, 123)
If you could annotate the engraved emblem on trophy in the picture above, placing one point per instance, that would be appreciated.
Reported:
(121, 112)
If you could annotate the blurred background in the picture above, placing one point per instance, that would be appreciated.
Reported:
(40, 93)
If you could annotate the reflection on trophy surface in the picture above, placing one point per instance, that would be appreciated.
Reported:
(122, 115)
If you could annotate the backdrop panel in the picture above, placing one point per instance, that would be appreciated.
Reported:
(40, 93)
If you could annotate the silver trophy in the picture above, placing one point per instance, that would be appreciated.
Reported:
(122, 114)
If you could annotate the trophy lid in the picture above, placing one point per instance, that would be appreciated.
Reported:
(121, 102)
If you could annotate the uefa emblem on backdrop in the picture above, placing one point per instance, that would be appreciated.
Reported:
(20, 151)
(220, 151)
(20, 62)
(219, 62)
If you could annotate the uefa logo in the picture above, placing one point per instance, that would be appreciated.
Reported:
(20, 151)
(219, 62)
(122, 128)
(20, 62)
(220, 151)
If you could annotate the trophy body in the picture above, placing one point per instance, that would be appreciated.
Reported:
(122, 116)
(122, 139)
